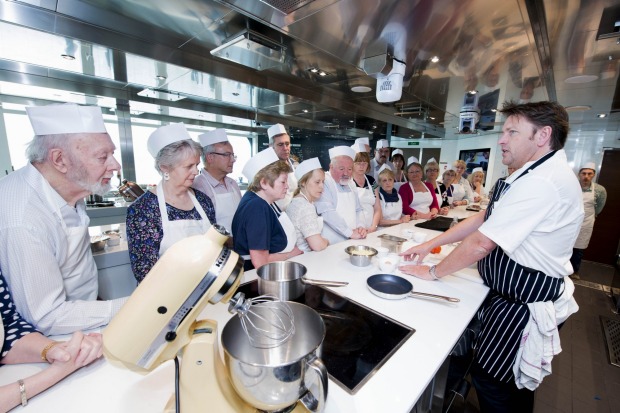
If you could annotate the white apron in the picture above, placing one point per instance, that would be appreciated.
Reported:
(181, 228)
(421, 200)
(438, 197)
(225, 207)
(289, 230)
(346, 208)
(367, 200)
(391, 210)
(588, 220)
(292, 186)
(458, 192)
(78, 269)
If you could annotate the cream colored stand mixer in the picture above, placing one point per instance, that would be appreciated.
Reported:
(158, 322)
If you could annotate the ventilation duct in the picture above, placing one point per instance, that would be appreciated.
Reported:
(252, 49)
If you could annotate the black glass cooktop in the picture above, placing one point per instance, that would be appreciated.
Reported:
(358, 341)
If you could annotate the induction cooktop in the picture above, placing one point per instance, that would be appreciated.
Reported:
(358, 340)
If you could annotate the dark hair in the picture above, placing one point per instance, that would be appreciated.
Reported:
(542, 114)
(398, 155)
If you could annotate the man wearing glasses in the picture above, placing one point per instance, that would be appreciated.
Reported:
(218, 159)
(382, 151)
(280, 141)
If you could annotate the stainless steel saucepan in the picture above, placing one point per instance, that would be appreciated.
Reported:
(286, 280)
(393, 287)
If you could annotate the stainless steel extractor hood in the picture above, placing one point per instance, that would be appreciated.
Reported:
(252, 49)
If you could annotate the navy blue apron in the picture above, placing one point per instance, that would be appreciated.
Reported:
(504, 314)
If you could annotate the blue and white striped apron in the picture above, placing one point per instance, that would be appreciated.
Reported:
(504, 314)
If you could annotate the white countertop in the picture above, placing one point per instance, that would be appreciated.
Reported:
(394, 388)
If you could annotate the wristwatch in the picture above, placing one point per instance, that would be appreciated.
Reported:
(431, 271)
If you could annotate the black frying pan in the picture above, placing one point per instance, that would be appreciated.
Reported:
(394, 287)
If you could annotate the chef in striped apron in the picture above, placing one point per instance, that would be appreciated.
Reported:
(523, 243)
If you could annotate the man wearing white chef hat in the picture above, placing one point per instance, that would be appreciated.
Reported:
(382, 151)
(280, 141)
(45, 250)
(522, 243)
(218, 158)
(339, 205)
(594, 198)
(262, 232)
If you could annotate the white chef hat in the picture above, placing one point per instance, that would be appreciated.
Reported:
(450, 168)
(382, 143)
(358, 147)
(588, 165)
(384, 166)
(432, 160)
(258, 162)
(212, 137)
(307, 166)
(398, 152)
(363, 141)
(276, 129)
(341, 151)
(65, 118)
(165, 135)
(478, 169)
(412, 159)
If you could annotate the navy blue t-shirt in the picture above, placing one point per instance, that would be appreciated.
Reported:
(255, 226)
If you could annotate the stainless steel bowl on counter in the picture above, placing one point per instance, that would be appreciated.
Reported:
(98, 242)
(115, 237)
(360, 255)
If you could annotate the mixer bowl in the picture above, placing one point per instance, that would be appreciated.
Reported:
(274, 378)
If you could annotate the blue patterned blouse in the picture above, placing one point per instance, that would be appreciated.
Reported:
(15, 327)
(144, 229)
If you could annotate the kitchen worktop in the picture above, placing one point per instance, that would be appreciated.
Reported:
(395, 387)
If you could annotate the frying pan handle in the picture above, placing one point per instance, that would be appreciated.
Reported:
(439, 297)
(320, 283)
(315, 401)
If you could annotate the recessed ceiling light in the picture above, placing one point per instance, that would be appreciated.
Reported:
(322, 73)
(305, 110)
(435, 59)
(577, 108)
(493, 110)
(314, 70)
(160, 77)
(360, 89)
(431, 117)
(581, 79)
(602, 115)
(67, 57)
(472, 92)
(351, 121)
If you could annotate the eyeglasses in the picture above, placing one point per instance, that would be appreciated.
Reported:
(432, 170)
(226, 154)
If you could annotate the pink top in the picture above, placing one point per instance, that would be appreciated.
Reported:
(407, 195)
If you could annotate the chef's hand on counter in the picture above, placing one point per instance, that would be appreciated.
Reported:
(420, 271)
(417, 252)
(359, 233)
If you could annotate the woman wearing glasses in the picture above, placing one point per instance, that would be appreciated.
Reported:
(218, 159)
(418, 197)
(172, 210)
(431, 171)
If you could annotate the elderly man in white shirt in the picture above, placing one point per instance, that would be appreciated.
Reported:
(382, 152)
(280, 141)
(45, 250)
(339, 205)
(218, 159)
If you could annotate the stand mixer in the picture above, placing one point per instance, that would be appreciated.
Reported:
(159, 321)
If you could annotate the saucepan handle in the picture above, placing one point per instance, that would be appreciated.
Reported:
(438, 297)
(315, 402)
(323, 283)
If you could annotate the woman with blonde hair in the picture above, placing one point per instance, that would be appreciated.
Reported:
(308, 224)
(262, 233)
(476, 182)
(391, 202)
(463, 194)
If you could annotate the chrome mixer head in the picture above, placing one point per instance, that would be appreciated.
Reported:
(267, 321)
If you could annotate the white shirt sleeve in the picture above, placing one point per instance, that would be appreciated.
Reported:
(326, 207)
(34, 277)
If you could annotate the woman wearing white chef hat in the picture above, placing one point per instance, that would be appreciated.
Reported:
(308, 224)
(172, 210)
(262, 233)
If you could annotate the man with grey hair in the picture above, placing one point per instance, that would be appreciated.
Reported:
(45, 250)
(218, 159)
(338, 205)
(280, 141)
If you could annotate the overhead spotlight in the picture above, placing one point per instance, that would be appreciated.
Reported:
(493, 110)
(602, 115)
(472, 92)
(435, 59)
(67, 57)
(322, 73)
(314, 70)
(305, 111)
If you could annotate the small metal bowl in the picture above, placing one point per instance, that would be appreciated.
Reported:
(115, 237)
(98, 242)
(360, 255)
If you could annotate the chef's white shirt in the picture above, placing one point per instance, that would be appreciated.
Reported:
(537, 220)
